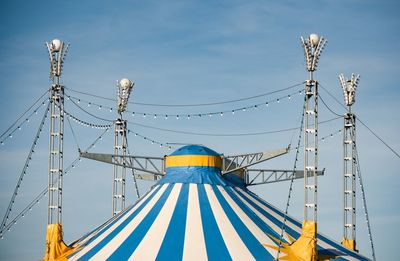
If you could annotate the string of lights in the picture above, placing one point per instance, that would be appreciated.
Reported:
(23, 172)
(364, 200)
(98, 126)
(7, 227)
(87, 124)
(188, 116)
(133, 174)
(324, 138)
(162, 145)
(91, 114)
(226, 134)
(23, 114)
(192, 105)
(166, 145)
(20, 124)
(283, 227)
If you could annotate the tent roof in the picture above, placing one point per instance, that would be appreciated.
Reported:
(197, 218)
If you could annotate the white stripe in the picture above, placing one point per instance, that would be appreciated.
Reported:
(237, 249)
(293, 226)
(151, 243)
(254, 229)
(110, 229)
(272, 213)
(111, 246)
(194, 247)
(271, 224)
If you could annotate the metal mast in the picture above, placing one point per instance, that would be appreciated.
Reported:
(57, 51)
(312, 50)
(55, 246)
(124, 88)
(349, 162)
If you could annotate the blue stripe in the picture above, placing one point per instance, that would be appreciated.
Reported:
(125, 250)
(256, 219)
(277, 222)
(336, 245)
(256, 249)
(215, 245)
(118, 229)
(172, 246)
(99, 230)
(274, 209)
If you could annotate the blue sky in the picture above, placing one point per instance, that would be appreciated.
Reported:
(198, 52)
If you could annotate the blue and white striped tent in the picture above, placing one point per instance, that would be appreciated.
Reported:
(194, 213)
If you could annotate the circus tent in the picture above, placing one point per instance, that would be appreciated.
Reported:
(195, 213)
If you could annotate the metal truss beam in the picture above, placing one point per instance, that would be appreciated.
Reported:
(237, 162)
(265, 176)
(153, 168)
(142, 164)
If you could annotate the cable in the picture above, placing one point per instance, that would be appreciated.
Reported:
(73, 134)
(12, 125)
(337, 114)
(87, 124)
(369, 129)
(37, 199)
(192, 105)
(226, 135)
(291, 181)
(379, 138)
(189, 115)
(365, 206)
(23, 172)
(133, 172)
(152, 141)
(333, 97)
(27, 119)
(97, 117)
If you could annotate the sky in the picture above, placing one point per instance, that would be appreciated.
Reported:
(197, 52)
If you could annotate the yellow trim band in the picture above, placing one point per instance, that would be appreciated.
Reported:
(193, 160)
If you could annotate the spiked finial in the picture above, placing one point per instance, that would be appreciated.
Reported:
(313, 46)
(124, 88)
(57, 52)
(349, 87)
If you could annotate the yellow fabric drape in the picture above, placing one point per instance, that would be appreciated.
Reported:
(349, 244)
(303, 249)
(56, 249)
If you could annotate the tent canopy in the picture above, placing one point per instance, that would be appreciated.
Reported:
(194, 213)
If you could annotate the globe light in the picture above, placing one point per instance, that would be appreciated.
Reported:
(125, 83)
(124, 88)
(314, 39)
(55, 45)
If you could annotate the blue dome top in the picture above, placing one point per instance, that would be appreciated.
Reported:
(193, 164)
(194, 150)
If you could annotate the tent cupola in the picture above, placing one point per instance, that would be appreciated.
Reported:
(193, 164)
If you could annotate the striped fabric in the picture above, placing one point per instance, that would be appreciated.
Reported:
(193, 220)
